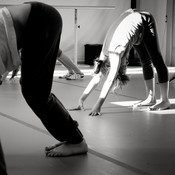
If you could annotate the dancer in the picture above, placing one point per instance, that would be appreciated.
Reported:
(35, 29)
(131, 29)
(3, 169)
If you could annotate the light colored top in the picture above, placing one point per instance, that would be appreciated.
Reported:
(9, 55)
(126, 31)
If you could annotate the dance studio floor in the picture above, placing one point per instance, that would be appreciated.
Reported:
(121, 141)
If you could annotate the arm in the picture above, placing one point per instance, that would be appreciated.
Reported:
(115, 61)
(91, 86)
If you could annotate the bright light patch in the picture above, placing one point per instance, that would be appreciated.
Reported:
(130, 104)
(125, 103)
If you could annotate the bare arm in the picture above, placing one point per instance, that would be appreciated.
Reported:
(115, 61)
(91, 86)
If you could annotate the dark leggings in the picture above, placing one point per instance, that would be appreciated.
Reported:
(2, 162)
(39, 52)
(149, 51)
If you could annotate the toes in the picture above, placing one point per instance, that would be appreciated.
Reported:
(153, 108)
(56, 153)
(158, 108)
(53, 154)
(49, 154)
(49, 148)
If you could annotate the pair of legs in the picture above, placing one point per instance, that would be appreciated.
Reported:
(2, 162)
(40, 47)
(149, 53)
(73, 71)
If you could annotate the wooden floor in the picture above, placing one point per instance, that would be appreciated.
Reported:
(122, 141)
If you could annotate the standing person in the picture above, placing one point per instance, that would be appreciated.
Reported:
(74, 72)
(35, 29)
(3, 170)
(131, 29)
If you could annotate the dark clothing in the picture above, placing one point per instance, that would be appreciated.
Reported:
(40, 47)
(3, 170)
(136, 29)
(149, 51)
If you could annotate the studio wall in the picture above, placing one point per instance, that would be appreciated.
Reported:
(93, 23)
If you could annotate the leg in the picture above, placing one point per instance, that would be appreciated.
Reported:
(148, 73)
(39, 53)
(150, 91)
(2, 162)
(152, 46)
(70, 71)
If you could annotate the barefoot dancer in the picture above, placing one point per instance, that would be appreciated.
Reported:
(131, 29)
(35, 29)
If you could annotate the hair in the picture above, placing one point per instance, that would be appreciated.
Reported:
(121, 78)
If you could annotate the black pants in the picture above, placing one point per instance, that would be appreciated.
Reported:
(149, 51)
(40, 47)
(2, 162)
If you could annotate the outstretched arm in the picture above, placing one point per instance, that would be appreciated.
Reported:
(91, 86)
(115, 62)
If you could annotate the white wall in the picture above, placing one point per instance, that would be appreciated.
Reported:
(93, 23)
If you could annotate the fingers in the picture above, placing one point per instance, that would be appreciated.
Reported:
(94, 114)
(157, 109)
(81, 107)
(77, 108)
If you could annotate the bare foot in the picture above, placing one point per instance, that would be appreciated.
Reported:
(160, 106)
(147, 102)
(49, 148)
(66, 149)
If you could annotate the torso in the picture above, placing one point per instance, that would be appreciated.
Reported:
(125, 31)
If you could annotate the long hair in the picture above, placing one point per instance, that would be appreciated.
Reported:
(121, 78)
